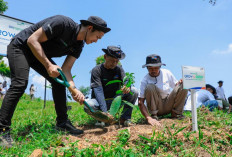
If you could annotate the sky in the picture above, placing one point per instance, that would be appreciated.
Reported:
(182, 32)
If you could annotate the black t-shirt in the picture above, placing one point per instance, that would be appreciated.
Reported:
(61, 32)
(100, 76)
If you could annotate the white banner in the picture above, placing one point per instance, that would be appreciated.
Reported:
(9, 27)
(193, 77)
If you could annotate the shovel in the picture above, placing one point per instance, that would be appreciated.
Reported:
(98, 115)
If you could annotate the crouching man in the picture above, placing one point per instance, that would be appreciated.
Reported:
(102, 94)
(155, 89)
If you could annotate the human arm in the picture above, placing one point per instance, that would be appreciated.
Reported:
(144, 112)
(66, 68)
(34, 43)
(99, 94)
(179, 82)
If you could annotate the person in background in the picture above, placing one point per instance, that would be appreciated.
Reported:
(203, 97)
(3, 90)
(220, 91)
(155, 89)
(32, 91)
(224, 103)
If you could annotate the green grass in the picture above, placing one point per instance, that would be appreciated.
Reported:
(34, 128)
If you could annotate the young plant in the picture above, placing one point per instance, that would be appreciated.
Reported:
(128, 80)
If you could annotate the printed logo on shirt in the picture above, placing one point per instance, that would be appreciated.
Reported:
(116, 77)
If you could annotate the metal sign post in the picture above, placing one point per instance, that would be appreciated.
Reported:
(194, 110)
(193, 78)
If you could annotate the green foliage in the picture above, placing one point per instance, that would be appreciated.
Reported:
(84, 90)
(4, 69)
(100, 60)
(123, 136)
(34, 129)
(115, 106)
(113, 81)
(128, 80)
(3, 6)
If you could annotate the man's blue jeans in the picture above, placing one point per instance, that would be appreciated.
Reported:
(211, 104)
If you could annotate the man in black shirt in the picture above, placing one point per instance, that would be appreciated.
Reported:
(103, 95)
(34, 47)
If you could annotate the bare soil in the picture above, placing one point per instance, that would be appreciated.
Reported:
(105, 135)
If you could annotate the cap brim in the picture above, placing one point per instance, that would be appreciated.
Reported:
(98, 27)
(123, 55)
(153, 65)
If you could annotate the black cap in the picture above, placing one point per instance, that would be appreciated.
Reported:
(115, 52)
(220, 81)
(153, 61)
(97, 22)
(211, 87)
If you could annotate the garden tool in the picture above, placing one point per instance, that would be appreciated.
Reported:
(98, 115)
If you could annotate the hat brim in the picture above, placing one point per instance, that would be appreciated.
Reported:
(123, 55)
(153, 65)
(98, 27)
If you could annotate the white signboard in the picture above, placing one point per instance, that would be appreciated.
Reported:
(193, 77)
(9, 27)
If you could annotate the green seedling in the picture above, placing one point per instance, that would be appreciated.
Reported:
(117, 103)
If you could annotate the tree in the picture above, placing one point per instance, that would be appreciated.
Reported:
(84, 90)
(100, 60)
(4, 69)
(3, 6)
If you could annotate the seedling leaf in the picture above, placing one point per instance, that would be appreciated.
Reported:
(115, 105)
(113, 81)
(128, 103)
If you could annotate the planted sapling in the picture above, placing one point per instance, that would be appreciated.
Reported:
(117, 103)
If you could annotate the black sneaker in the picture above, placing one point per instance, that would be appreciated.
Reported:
(5, 138)
(67, 126)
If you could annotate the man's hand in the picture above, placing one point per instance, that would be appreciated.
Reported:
(179, 82)
(78, 96)
(52, 70)
(125, 90)
(154, 122)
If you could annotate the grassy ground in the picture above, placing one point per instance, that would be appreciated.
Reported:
(34, 128)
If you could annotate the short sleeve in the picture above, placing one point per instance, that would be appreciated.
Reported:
(96, 77)
(54, 27)
(142, 88)
(172, 80)
(76, 49)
